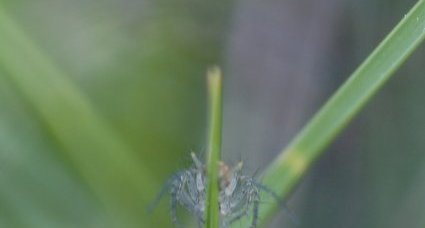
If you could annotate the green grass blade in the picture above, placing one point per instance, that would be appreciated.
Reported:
(109, 167)
(214, 147)
(288, 168)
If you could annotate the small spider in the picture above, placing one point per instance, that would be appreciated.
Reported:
(238, 197)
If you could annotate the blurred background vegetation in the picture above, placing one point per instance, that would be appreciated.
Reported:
(100, 102)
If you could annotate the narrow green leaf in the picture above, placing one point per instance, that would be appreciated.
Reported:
(288, 168)
(110, 168)
(214, 147)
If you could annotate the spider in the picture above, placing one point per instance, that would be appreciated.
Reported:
(238, 197)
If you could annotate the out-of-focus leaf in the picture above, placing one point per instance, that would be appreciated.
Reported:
(106, 163)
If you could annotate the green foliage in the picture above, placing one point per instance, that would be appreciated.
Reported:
(72, 154)
(86, 140)
(294, 161)
(93, 131)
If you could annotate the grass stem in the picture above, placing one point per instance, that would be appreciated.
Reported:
(214, 146)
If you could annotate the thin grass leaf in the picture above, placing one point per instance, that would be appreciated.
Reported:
(214, 147)
(294, 161)
(109, 167)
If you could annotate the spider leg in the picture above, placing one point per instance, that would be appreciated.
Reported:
(238, 216)
(187, 196)
(255, 209)
(173, 207)
(200, 223)
(224, 225)
(196, 161)
(250, 198)
(164, 190)
(266, 189)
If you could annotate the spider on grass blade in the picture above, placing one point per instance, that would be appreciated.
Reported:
(239, 195)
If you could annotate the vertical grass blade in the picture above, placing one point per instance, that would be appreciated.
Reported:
(214, 147)
(288, 168)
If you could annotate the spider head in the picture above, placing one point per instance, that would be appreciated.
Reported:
(229, 176)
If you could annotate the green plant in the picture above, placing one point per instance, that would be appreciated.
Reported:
(120, 181)
(214, 147)
(295, 160)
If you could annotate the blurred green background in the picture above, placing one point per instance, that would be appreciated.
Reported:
(101, 101)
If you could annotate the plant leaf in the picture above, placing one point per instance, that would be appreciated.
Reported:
(294, 161)
(109, 167)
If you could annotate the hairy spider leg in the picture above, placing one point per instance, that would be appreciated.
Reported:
(267, 190)
(164, 190)
(236, 202)
(173, 205)
(198, 163)
(250, 191)
(255, 198)
(178, 196)
(193, 195)
(282, 203)
(255, 209)
(239, 214)
(247, 196)
(187, 195)
(200, 223)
